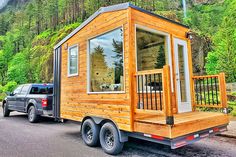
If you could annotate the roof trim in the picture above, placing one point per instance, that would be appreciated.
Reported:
(117, 7)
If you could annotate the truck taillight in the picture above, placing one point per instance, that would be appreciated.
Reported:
(44, 102)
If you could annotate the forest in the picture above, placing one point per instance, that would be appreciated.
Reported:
(30, 28)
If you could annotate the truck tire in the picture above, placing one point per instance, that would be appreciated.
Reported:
(6, 111)
(90, 132)
(109, 139)
(32, 116)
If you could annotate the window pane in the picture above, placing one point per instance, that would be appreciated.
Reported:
(42, 89)
(151, 50)
(106, 62)
(25, 89)
(182, 80)
(73, 60)
(17, 90)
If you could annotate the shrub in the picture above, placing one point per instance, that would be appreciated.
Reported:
(10, 86)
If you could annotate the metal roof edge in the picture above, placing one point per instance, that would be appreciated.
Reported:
(111, 8)
(153, 14)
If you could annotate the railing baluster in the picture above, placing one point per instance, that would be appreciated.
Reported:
(138, 93)
(155, 87)
(150, 77)
(212, 89)
(200, 90)
(197, 90)
(159, 88)
(204, 90)
(142, 92)
(208, 92)
(146, 90)
(216, 92)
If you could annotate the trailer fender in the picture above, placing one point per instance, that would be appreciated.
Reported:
(98, 120)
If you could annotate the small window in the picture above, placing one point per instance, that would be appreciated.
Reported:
(17, 90)
(73, 61)
(25, 89)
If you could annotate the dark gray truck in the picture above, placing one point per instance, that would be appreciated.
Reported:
(34, 99)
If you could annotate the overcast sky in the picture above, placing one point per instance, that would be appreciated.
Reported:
(3, 3)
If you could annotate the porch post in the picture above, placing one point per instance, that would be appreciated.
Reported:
(223, 94)
(167, 95)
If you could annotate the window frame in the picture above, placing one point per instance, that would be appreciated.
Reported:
(88, 63)
(68, 60)
(169, 47)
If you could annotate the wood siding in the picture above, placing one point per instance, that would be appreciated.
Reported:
(76, 103)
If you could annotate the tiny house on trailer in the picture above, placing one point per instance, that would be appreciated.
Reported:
(126, 72)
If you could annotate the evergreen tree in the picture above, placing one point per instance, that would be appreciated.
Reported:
(160, 59)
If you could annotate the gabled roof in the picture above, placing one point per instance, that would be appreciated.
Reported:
(117, 7)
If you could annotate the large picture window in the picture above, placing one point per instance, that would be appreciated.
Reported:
(73, 61)
(151, 50)
(106, 62)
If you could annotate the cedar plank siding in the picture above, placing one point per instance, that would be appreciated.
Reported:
(75, 102)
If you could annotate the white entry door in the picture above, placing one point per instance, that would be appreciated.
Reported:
(182, 76)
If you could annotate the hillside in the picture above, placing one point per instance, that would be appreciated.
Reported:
(30, 28)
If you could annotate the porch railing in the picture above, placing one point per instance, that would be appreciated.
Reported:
(210, 91)
(154, 92)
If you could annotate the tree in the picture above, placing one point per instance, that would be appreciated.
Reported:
(3, 69)
(160, 60)
(18, 69)
(223, 57)
(118, 49)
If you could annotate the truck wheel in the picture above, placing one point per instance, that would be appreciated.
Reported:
(90, 132)
(32, 116)
(109, 139)
(6, 112)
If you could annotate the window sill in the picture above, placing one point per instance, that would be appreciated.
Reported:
(115, 92)
(73, 75)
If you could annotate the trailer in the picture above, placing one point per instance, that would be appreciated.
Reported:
(126, 72)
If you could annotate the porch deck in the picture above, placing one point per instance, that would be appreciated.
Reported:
(184, 123)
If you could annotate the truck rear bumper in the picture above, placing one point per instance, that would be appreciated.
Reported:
(47, 112)
(182, 140)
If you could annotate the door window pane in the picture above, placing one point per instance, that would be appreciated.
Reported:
(25, 89)
(17, 90)
(151, 50)
(106, 62)
(182, 80)
(73, 60)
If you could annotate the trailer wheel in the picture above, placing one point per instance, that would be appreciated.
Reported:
(109, 139)
(90, 132)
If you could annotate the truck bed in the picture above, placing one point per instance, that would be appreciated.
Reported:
(184, 123)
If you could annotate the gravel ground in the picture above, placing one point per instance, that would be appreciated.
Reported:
(19, 138)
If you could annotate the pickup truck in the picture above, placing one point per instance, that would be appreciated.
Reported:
(34, 99)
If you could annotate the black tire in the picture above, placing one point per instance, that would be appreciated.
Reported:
(32, 116)
(109, 139)
(90, 132)
(6, 111)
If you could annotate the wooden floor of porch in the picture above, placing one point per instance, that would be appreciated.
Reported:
(184, 123)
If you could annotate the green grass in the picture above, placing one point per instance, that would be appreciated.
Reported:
(232, 106)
